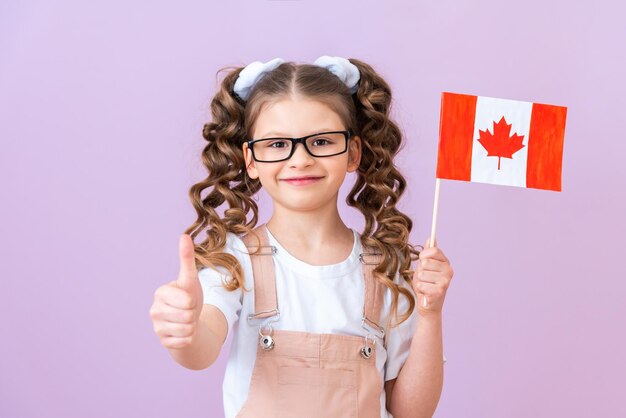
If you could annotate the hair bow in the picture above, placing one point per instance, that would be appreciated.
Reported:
(347, 72)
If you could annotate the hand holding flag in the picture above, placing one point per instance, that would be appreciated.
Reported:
(431, 279)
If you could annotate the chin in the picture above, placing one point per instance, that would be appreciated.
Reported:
(304, 203)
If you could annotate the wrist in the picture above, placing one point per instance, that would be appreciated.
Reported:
(430, 324)
(429, 317)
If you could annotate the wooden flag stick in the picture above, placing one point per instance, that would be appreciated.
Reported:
(431, 242)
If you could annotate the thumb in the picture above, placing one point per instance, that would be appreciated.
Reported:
(188, 273)
(428, 244)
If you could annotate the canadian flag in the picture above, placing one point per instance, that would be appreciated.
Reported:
(501, 141)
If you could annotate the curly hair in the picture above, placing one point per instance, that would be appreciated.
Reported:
(376, 191)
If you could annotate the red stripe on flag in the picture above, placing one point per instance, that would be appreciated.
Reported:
(545, 147)
(456, 132)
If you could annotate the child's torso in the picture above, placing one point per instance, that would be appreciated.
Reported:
(315, 303)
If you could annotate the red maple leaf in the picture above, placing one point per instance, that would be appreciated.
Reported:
(499, 144)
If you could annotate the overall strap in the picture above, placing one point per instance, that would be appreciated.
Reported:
(374, 292)
(265, 302)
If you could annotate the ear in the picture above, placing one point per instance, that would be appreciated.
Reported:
(250, 164)
(354, 153)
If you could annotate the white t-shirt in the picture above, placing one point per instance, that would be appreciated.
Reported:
(317, 299)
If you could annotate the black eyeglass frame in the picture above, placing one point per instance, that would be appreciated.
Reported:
(294, 141)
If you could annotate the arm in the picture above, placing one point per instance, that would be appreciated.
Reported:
(419, 383)
(207, 341)
(417, 389)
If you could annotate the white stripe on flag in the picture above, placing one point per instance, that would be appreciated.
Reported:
(485, 169)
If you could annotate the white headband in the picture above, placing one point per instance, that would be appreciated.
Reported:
(347, 72)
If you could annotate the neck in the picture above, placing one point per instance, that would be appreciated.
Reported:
(309, 229)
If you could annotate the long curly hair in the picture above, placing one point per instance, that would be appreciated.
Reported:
(376, 191)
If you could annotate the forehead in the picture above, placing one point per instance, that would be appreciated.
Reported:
(295, 117)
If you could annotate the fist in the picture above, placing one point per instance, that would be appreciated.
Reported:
(431, 279)
(177, 304)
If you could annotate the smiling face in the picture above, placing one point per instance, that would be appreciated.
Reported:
(296, 118)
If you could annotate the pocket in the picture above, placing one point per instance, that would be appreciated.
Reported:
(314, 392)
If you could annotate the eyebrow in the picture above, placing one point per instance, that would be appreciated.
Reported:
(282, 135)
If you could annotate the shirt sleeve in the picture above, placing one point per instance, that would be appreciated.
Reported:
(399, 338)
(214, 293)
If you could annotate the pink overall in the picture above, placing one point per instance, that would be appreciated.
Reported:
(301, 374)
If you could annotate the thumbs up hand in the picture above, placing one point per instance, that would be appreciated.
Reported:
(177, 304)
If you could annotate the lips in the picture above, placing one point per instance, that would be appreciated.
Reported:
(302, 181)
(303, 178)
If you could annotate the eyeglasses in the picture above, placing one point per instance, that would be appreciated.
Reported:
(323, 144)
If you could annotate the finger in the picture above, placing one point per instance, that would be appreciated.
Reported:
(175, 297)
(427, 244)
(429, 289)
(173, 329)
(171, 314)
(433, 252)
(427, 276)
(432, 264)
(176, 342)
(188, 272)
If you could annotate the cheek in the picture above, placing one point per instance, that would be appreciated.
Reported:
(339, 169)
(267, 174)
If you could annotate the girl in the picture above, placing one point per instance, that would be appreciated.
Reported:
(310, 301)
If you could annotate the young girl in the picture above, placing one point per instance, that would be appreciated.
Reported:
(326, 321)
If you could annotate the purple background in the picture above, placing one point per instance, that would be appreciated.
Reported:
(101, 109)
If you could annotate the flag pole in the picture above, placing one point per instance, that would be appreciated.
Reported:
(431, 242)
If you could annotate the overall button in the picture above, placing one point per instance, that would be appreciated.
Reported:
(366, 352)
(267, 342)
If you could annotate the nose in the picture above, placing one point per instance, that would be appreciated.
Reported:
(300, 156)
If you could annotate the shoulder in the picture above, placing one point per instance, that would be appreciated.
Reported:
(403, 301)
(236, 247)
(235, 244)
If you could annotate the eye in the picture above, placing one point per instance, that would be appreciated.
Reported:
(277, 144)
(322, 141)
